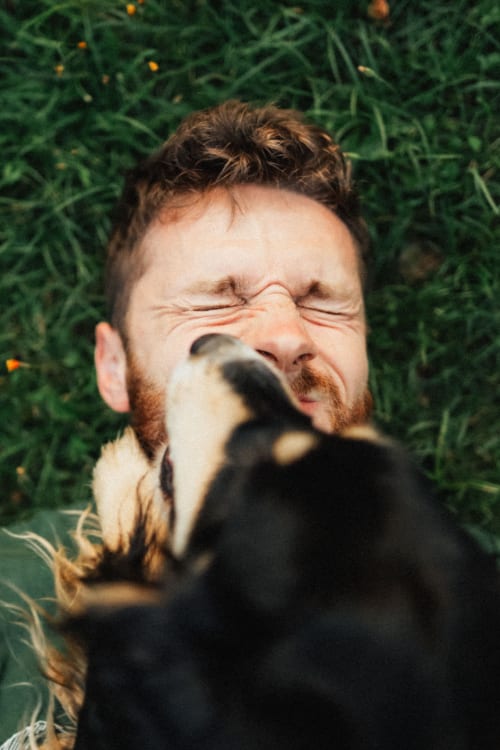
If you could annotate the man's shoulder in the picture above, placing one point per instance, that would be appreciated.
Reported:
(49, 523)
(26, 576)
(23, 564)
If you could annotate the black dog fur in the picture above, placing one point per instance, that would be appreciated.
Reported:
(326, 601)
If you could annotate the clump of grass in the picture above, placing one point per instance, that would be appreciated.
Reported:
(89, 87)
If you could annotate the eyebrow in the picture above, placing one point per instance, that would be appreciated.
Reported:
(231, 285)
(214, 286)
(319, 290)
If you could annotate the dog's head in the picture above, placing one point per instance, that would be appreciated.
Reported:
(317, 596)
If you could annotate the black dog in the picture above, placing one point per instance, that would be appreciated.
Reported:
(317, 597)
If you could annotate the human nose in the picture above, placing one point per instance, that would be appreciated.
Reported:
(280, 336)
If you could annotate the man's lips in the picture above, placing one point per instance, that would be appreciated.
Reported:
(307, 404)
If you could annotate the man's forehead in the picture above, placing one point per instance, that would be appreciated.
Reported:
(251, 226)
(230, 203)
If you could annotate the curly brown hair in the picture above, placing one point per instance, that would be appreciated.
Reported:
(231, 144)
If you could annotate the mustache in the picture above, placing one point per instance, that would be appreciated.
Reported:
(147, 401)
(306, 381)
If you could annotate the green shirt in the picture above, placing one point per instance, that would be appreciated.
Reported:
(22, 685)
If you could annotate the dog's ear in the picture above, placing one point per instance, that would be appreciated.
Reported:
(146, 684)
(122, 650)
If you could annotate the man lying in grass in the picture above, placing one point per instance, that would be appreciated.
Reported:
(245, 222)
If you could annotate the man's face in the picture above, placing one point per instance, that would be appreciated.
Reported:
(275, 269)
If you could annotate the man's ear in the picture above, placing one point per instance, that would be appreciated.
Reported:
(111, 367)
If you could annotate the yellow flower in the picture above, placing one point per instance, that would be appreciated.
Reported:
(131, 9)
(366, 71)
(82, 45)
(59, 69)
(379, 10)
(14, 364)
(153, 65)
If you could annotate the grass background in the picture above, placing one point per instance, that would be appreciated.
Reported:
(420, 120)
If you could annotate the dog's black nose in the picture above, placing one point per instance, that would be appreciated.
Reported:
(210, 342)
(202, 343)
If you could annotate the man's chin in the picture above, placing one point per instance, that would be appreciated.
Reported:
(336, 417)
(318, 396)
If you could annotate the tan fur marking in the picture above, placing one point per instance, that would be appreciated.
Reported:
(364, 432)
(111, 595)
(202, 563)
(293, 445)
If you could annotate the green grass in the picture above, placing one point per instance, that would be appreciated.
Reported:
(421, 123)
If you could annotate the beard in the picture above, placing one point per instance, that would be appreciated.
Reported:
(339, 415)
(147, 407)
(147, 404)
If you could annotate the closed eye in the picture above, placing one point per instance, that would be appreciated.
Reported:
(331, 317)
(220, 306)
(331, 312)
(325, 303)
